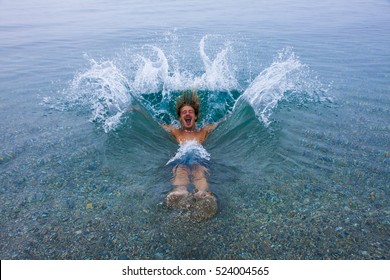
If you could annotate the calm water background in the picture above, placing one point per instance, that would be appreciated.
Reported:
(300, 167)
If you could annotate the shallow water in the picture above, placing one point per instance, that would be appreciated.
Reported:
(300, 164)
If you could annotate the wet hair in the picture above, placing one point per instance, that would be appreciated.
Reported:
(189, 98)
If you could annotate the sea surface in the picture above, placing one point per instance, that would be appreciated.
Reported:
(300, 163)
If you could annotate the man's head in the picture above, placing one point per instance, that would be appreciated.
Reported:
(187, 109)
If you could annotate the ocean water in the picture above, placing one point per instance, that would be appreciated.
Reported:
(300, 163)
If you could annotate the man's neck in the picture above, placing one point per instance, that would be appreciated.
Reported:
(189, 130)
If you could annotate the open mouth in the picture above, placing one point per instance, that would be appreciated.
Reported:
(188, 121)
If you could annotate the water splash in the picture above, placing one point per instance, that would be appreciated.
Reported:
(189, 153)
(151, 74)
(156, 72)
(105, 90)
(155, 77)
(108, 92)
(285, 79)
(218, 73)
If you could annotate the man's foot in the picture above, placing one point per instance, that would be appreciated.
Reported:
(179, 198)
(205, 206)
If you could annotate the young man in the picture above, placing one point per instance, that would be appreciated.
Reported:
(191, 160)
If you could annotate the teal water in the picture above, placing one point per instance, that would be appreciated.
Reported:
(300, 164)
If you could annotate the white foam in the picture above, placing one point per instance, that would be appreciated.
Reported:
(190, 147)
(218, 73)
(156, 72)
(285, 75)
(105, 89)
(108, 90)
(150, 74)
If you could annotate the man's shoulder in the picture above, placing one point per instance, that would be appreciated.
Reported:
(169, 128)
(174, 130)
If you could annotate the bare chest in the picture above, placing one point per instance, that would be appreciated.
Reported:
(183, 136)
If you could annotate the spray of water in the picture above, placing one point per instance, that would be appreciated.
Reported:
(218, 73)
(155, 72)
(108, 91)
(286, 78)
(105, 90)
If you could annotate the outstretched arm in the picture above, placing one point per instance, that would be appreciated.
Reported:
(168, 128)
(213, 126)
(209, 128)
(172, 130)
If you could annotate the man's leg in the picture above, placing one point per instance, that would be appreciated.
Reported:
(180, 182)
(206, 203)
(200, 181)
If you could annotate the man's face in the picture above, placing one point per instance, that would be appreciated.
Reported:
(187, 117)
